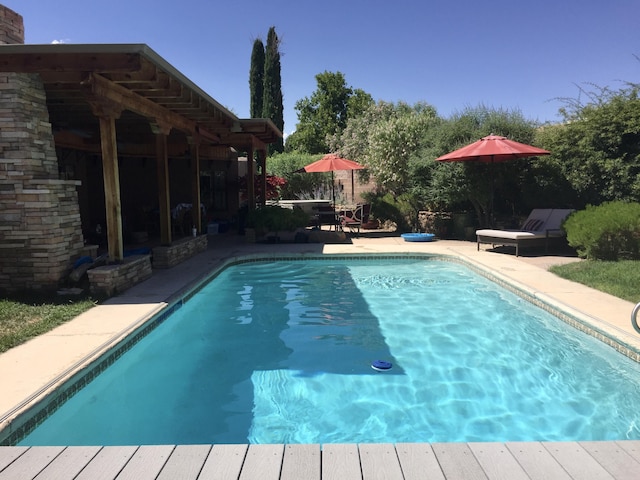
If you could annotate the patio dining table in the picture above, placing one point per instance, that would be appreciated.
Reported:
(308, 206)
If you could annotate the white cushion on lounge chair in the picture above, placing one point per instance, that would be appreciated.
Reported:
(535, 222)
(509, 234)
(541, 224)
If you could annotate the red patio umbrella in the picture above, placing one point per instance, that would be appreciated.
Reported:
(490, 149)
(331, 163)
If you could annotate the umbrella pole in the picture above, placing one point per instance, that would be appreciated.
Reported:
(353, 194)
(333, 190)
(493, 186)
(491, 219)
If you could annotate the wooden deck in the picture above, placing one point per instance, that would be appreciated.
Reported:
(402, 461)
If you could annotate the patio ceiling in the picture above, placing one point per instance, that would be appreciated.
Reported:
(148, 89)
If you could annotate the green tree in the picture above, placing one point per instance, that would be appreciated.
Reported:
(325, 113)
(299, 184)
(597, 147)
(383, 138)
(272, 97)
(256, 79)
(358, 103)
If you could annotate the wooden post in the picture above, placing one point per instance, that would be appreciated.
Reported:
(262, 160)
(196, 214)
(107, 113)
(162, 168)
(251, 193)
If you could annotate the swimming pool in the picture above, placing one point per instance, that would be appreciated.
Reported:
(281, 353)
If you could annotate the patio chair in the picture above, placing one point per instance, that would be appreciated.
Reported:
(541, 226)
(181, 221)
(353, 220)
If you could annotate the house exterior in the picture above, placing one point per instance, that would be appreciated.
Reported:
(98, 142)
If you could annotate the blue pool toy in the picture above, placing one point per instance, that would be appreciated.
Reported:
(418, 237)
(381, 365)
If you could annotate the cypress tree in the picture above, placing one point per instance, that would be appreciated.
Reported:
(256, 79)
(272, 97)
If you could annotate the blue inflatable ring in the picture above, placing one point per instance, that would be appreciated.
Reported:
(418, 237)
(381, 365)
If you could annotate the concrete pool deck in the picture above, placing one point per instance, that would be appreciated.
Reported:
(29, 371)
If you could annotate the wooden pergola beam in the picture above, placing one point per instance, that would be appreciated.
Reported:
(101, 87)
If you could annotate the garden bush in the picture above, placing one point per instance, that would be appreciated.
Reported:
(272, 218)
(389, 209)
(610, 231)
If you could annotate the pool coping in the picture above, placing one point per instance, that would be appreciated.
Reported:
(21, 419)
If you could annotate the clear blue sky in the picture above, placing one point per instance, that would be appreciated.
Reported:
(451, 54)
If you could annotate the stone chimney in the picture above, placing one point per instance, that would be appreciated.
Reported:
(12, 30)
(40, 227)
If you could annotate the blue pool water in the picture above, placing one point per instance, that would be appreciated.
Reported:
(281, 353)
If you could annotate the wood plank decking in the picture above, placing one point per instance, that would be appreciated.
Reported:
(402, 461)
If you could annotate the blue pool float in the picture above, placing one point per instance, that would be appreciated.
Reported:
(418, 237)
(381, 365)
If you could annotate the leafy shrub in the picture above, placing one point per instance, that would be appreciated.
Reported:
(610, 231)
(272, 218)
(297, 218)
(387, 209)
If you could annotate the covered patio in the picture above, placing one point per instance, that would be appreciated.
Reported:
(136, 140)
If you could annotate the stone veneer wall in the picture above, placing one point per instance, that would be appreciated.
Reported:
(109, 280)
(12, 30)
(171, 255)
(40, 226)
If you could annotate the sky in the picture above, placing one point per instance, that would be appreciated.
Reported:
(455, 54)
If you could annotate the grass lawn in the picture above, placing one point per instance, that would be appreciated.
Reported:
(25, 318)
(621, 279)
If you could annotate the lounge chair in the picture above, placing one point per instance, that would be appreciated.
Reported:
(354, 219)
(539, 228)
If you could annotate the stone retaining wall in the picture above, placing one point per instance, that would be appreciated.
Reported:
(110, 280)
(179, 251)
